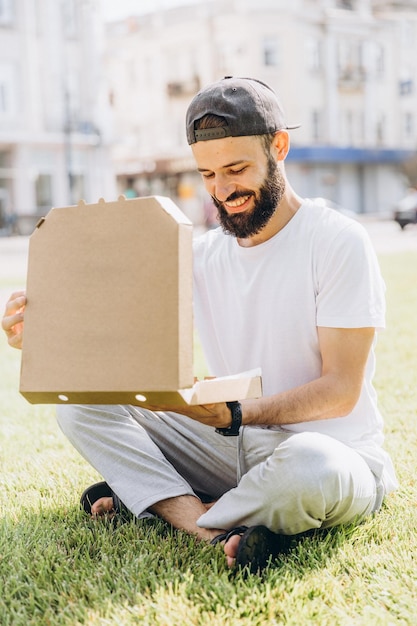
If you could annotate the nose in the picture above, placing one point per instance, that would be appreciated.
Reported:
(222, 188)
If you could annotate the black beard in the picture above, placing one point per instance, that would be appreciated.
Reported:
(247, 224)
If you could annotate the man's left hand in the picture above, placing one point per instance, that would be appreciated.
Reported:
(217, 414)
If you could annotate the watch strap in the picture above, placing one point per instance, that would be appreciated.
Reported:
(236, 412)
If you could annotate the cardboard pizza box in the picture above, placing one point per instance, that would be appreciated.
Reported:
(109, 315)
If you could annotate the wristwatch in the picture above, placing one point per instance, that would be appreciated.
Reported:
(233, 429)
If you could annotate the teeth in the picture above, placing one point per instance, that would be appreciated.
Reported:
(238, 202)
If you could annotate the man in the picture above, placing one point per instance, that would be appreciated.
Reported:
(285, 285)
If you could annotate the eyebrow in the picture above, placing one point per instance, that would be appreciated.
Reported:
(224, 167)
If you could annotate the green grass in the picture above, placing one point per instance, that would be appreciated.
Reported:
(58, 567)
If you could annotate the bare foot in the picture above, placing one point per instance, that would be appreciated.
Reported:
(105, 507)
(102, 506)
(230, 549)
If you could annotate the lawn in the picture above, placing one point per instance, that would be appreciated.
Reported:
(58, 567)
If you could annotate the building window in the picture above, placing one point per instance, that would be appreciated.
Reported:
(3, 98)
(7, 12)
(72, 100)
(406, 87)
(350, 61)
(361, 127)
(316, 125)
(5, 158)
(77, 187)
(69, 18)
(223, 53)
(380, 129)
(43, 192)
(349, 127)
(7, 91)
(270, 52)
(345, 4)
(314, 54)
(379, 60)
(408, 125)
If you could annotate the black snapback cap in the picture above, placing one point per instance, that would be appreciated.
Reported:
(249, 107)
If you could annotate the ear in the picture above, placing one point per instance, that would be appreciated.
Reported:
(280, 145)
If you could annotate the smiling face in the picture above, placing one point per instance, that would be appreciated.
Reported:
(245, 183)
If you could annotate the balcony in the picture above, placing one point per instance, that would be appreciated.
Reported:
(184, 88)
(351, 78)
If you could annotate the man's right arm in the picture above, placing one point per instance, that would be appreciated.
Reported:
(12, 322)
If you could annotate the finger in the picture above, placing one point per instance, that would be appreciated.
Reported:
(16, 302)
(9, 321)
(17, 294)
(15, 341)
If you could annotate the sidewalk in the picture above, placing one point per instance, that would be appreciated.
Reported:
(387, 236)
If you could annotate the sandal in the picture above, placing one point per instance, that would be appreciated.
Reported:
(103, 490)
(257, 548)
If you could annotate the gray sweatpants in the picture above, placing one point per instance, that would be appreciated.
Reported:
(289, 482)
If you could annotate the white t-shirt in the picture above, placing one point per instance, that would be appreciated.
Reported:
(261, 306)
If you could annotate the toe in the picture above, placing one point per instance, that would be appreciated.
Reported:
(230, 549)
(102, 506)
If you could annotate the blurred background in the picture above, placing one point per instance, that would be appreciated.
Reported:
(93, 95)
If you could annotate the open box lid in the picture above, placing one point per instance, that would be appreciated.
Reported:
(109, 306)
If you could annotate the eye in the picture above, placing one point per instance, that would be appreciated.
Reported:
(207, 175)
(239, 171)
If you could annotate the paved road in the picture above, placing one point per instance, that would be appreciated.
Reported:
(386, 236)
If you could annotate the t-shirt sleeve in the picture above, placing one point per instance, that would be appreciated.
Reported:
(350, 288)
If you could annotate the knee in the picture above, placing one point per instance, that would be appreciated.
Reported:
(326, 472)
(317, 465)
(312, 451)
(317, 481)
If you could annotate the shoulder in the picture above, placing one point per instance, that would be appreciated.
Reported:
(330, 227)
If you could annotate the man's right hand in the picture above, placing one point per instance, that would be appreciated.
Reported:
(12, 322)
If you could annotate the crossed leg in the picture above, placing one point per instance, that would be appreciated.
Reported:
(181, 512)
(159, 462)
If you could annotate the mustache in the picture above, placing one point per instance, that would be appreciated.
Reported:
(233, 196)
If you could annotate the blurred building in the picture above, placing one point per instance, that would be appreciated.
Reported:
(79, 107)
(54, 122)
(345, 69)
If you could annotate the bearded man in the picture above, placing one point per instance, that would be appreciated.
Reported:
(285, 285)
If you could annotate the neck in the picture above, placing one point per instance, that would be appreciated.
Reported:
(286, 209)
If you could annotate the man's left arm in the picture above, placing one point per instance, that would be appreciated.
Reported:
(334, 394)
